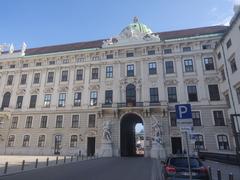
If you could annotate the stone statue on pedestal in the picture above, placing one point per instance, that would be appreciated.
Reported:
(106, 147)
(157, 150)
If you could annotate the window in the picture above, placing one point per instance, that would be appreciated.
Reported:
(199, 142)
(169, 67)
(173, 119)
(219, 55)
(130, 70)
(109, 56)
(77, 99)
(238, 94)
(188, 64)
(73, 141)
(154, 95)
(14, 122)
(41, 141)
(38, 64)
(10, 80)
(91, 120)
(11, 140)
(23, 79)
(64, 76)
(1, 67)
(95, 58)
(152, 68)
(36, 78)
(50, 77)
(75, 121)
(26, 139)
(43, 122)
(192, 93)
(130, 54)
(47, 100)
(59, 121)
(229, 43)
(172, 94)
(19, 102)
(94, 73)
(6, 100)
(209, 64)
(12, 66)
(108, 97)
(222, 142)
(33, 101)
(25, 65)
(218, 118)
(79, 75)
(206, 46)
(223, 74)
(151, 52)
(51, 62)
(196, 118)
(214, 92)
(109, 72)
(167, 51)
(29, 122)
(233, 65)
(93, 98)
(62, 100)
(65, 61)
(186, 49)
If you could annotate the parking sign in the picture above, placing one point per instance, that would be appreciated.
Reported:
(184, 114)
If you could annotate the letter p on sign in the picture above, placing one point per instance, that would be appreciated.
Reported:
(183, 111)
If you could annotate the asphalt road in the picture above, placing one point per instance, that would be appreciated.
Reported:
(134, 168)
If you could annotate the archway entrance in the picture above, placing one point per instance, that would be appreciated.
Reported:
(128, 136)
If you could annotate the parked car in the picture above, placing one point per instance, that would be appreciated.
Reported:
(176, 168)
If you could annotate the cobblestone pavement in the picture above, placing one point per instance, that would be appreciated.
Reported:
(225, 169)
(99, 169)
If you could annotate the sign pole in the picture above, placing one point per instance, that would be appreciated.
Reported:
(189, 165)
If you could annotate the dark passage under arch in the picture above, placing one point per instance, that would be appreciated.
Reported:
(127, 137)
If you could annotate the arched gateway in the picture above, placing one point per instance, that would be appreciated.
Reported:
(128, 135)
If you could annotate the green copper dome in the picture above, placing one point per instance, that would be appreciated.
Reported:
(136, 28)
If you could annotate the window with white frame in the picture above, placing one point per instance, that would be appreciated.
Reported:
(169, 67)
(222, 142)
(62, 100)
(26, 141)
(209, 63)
(64, 77)
(14, 122)
(43, 123)
(59, 121)
(23, 79)
(109, 72)
(36, 78)
(77, 99)
(73, 141)
(196, 118)
(29, 122)
(91, 120)
(173, 119)
(94, 73)
(152, 68)
(130, 70)
(188, 64)
(50, 77)
(41, 141)
(218, 118)
(75, 121)
(47, 100)
(11, 140)
(199, 142)
(79, 75)
(93, 98)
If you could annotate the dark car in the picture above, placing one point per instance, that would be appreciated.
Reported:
(177, 168)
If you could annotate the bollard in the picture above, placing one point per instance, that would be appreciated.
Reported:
(23, 164)
(210, 172)
(47, 162)
(5, 168)
(231, 176)
(64, 160)
(57, 160)
(219, 174)
(36, 163)
(71, 158)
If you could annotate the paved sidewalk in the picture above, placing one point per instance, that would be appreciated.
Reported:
(225, 169)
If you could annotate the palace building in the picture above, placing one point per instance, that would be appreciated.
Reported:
(87, 97)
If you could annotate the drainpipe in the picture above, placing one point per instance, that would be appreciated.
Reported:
(233, 103)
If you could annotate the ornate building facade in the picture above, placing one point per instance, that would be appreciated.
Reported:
(87, 97)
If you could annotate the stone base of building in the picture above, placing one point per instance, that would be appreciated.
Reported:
(106, 150)
(158, 152)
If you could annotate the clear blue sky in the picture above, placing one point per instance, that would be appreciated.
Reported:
(47, 22)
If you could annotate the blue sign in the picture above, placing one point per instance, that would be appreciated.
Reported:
(183, 111)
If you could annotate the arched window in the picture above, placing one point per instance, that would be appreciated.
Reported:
(41, 141)
(73, 141)
(131, 95)
(222, 142)
(6, 100)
